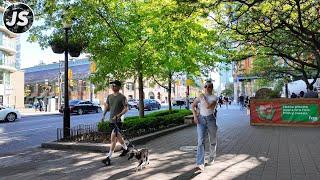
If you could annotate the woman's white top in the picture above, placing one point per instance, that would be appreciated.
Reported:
(204, 111)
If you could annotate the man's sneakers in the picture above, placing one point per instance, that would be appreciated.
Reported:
(124, 152)
(107, 161)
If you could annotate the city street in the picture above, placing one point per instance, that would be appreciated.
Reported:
(244, 152)
(31, 131)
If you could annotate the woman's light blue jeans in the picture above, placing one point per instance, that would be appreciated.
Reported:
(206, 127)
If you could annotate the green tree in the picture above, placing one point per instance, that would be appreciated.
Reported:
(283, 31)
(228, 91)
(181, 46)
(127, 38)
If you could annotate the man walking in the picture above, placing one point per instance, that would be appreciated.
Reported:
(206, 124)
(241, 101)
(117, 105)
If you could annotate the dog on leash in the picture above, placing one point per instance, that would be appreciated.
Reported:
(141, 155)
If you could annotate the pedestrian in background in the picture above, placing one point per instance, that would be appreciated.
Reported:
(220, 101)
(226, 100)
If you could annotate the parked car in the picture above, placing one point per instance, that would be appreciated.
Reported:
(178, 102)
(81, 107)
(151, 104)
(9, 114)
(133, 103)
(191, 100)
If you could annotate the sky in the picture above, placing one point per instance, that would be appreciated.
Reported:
(32, 54)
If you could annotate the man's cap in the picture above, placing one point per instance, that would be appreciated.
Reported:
(208, 82)
(116, 82)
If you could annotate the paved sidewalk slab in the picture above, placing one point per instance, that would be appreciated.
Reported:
(102, 147)
(244, 152)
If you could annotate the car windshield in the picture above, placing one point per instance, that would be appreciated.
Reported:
(73, 102)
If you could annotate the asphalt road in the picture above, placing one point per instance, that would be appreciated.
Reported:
(31, 131)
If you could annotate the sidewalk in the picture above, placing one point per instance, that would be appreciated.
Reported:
(32, 112)
(244, 152)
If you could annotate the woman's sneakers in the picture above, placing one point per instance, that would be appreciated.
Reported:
(201, 167)
(107, 161)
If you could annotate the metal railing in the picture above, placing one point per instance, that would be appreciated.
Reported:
(82, 132)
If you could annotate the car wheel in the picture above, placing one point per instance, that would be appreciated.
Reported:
(159, 107)
(11, 117)
(80, 111)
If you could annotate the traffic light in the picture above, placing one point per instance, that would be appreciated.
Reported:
(69, 74)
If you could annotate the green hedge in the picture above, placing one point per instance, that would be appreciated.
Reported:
(135, 126)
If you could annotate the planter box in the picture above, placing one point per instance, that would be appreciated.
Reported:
(285, 112)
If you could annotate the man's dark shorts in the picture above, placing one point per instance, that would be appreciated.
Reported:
(116, 127)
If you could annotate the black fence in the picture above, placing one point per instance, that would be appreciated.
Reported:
(82, 133)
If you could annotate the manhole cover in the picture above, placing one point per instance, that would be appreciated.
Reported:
(188, 148)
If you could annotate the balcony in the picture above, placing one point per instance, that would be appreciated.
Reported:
(8, 50)
(8, 46)
(7, 67)
(9, 33)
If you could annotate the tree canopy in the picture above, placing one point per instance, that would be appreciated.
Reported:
(282, 33)
(129, 39)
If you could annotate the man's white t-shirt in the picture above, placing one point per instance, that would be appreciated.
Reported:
(204, 111)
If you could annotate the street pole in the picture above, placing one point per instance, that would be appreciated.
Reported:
(66, 115)
(59, 84)
(91, 92)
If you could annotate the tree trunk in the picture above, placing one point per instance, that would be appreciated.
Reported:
(169, 91)
(134, 88)
(286, 90)
(141, 94)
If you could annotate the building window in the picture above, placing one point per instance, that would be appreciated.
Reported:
(1, 78)
(1, 37)
(6, 78)
(1, 19)
(2, 58)
(129, 86)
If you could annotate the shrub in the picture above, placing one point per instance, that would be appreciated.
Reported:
(156, 121)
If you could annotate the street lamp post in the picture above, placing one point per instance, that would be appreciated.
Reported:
(66, 115)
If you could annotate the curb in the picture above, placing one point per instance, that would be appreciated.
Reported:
(37, 115)
(101, 147)
(95, 147)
